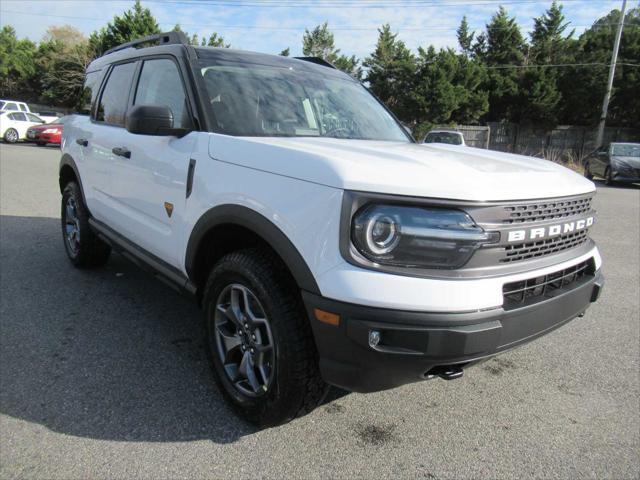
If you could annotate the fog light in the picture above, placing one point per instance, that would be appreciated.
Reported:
(374, 338)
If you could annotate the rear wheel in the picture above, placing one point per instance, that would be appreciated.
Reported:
(259, 339)
(587, 172)
(84, 248)
(11, 135)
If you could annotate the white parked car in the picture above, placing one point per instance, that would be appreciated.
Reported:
(324, 245)
(450, 137)
(13, 105)
(14, 125)
(49, 117)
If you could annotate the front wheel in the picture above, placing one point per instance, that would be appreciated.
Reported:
(84, 248)
(11, 136)
(608, 178)
(259, 339)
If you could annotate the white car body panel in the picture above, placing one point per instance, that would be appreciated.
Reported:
(298, 184)
(421, 170)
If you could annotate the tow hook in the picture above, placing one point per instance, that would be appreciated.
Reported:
(446, 372)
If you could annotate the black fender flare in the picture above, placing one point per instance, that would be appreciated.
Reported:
(261, 226)
(68, 161)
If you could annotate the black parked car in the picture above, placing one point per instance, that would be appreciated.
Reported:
(617, 162)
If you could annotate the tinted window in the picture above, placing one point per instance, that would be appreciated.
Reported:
(11, 106)
(261, 100)
(33, 118)
(23, 108)
(18, 116)
(89, 92)
(443, 137)
(113, 103)
(160, 84)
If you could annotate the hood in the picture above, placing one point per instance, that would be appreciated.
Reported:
(423, 170)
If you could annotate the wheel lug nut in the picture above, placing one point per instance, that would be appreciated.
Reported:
(253, 337)
(252, 351)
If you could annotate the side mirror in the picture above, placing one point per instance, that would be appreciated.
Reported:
(152, 120)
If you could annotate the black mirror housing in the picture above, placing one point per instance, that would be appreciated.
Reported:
(152, 120)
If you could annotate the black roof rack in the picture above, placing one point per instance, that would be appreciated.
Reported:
(317, 61)
(167, 38)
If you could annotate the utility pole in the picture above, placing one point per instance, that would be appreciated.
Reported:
(612, 72)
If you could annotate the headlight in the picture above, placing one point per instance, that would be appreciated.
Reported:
(413, 237)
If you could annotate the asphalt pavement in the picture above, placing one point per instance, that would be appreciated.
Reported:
(103, 375)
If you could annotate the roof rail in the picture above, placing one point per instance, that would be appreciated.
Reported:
(167, 38)
(317, 61)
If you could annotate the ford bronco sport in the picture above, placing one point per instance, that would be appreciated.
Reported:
(325, 246)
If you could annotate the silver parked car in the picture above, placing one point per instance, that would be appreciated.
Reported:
(616, 162)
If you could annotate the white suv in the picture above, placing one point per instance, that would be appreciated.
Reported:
(325, 246)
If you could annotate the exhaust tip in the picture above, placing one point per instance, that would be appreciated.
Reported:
(446, 372)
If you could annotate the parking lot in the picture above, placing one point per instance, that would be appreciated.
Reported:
(103, 374)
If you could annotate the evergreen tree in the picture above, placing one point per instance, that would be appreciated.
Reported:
(391, 69)
(583, 98)
(503, 53)
(320, 43)
(540, 92)
(465, 38)
(285, 52)
(133, 24)
(17, 64)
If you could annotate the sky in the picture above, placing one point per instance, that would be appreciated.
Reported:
(272, 25)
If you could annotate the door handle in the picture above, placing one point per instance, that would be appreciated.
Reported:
(121, 152)
(82, 142)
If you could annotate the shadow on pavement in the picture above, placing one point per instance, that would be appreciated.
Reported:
(106, 354)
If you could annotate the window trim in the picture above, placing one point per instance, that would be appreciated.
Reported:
(185, 89)
(103, 84)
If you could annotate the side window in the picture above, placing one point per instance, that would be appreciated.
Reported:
(23, 107)
(20, 117)
(89, 93)
(11, 106)
(33, 118)
(160, 84)
(113, 102)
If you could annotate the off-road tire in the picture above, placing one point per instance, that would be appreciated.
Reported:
(90, 251)
(297, 387)
(11, 135)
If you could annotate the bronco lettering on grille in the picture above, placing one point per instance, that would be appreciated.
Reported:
(549, 231)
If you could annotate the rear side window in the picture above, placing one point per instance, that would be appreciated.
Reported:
(160, 84)
(23, 108)
(89, 93)
(113, 102)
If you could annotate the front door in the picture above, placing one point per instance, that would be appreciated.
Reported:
(151, 179)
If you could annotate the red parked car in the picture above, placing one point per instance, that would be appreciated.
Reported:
(47, 133)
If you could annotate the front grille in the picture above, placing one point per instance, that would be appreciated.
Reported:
(540, 248)
(546, 210)
(532, 290)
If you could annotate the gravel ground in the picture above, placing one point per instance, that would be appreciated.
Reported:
(103, 375)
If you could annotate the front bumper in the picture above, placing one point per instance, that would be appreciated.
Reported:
(413, 343)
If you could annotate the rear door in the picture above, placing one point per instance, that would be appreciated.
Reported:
(100, 172)
(20, 123)
(151, 183)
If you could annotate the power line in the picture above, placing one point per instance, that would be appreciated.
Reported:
(298, 28)
(560, 65)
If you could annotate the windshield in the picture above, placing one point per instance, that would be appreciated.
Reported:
(626, 150)
(443, 137)
(266, 101)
